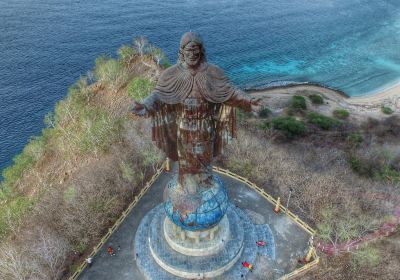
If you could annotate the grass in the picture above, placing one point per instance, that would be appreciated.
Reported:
(316, 99)
(323, 121)
(75, 146)
(366, 256)
(31, 153)
(139, 88)
(341, 114)
(127, 171)
(81, 133)
(374, 168)
(289, 126)
(355, 139)
(297, 104)
(265, 113)
(386, 110)
(12, 212)
(242, 166)
(110, 72)
(126, 53)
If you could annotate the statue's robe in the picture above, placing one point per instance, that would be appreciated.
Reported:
(174, 86)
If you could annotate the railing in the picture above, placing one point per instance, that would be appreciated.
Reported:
(300, 271)
(283, 209)
(268, 197)
(118, 222)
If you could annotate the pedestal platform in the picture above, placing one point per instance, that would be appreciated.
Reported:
(197, 243)
(290, 241)
(162, 253)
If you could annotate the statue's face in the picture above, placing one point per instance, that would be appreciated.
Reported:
(192, 54)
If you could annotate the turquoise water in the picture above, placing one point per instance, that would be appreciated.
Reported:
(45, 45)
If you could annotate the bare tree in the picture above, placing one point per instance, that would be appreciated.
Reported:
(51, 250)
(140, 43)
(156, 54)
(14, 264)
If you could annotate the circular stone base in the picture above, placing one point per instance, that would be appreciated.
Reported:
(200, 243)
(197, 267)
(156, 259)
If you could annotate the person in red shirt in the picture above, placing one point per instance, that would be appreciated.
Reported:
(110, 251)
(247, 265)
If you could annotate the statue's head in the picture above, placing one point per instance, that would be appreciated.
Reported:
(191, 50)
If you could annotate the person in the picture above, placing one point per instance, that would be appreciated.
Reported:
(260, 243)
(110, 251)
(89, 261)
(193, 118)
(247, 265)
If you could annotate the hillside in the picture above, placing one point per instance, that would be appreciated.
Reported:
(72, 182)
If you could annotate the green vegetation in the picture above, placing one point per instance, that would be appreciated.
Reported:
(265, 113)
(316, 99)
(289, 126)
(80, 247)
(82, 127)
(127, 171)
(139, 88)
(336, 230)
(76, 127)
(382, 165)
(72, 182)
(159, 56)
(386, 110)
(244, 166)
(297, 104)
(355, 139)
(66, 186)
(126, 53)
(70, 193)
(110, 72)
(366, 256)
(322, 121)
(12, 212)
(341, 114)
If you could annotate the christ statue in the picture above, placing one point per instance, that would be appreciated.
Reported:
(192, 109)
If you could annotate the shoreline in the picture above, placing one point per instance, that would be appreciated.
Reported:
(360, 107)
(387, 95)
(390, 93)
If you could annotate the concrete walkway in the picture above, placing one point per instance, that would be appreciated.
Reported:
(291, 241)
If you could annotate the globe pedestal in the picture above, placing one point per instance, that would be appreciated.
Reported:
(201, 210)
(206, 243)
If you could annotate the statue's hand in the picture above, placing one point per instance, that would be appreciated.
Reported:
(139, 110)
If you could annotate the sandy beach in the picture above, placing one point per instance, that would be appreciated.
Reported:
(359, 107)
(390, 96)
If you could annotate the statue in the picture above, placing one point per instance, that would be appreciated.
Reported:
(192, 109)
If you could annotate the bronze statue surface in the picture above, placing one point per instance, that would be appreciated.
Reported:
(192, 109)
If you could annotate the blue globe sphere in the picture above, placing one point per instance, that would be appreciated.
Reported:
(212, 207)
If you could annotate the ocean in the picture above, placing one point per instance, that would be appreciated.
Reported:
(46, 45)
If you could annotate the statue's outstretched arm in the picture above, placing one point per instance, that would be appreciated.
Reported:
(244, 101)
(148, 106)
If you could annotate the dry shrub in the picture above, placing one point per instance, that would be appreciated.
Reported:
(388, 127)
(86, 204)
(322, 182)
(381, 162)
(41, 254)
(319, 177)
(344, 266)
